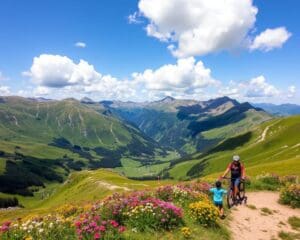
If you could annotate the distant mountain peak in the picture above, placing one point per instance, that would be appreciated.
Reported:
(86, 100)
(167, 99)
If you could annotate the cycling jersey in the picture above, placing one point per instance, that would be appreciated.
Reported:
(237, 170)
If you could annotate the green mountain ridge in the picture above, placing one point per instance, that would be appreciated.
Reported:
(44, 140)
(273, 146)
(188, 125)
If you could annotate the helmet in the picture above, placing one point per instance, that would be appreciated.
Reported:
(236, 158)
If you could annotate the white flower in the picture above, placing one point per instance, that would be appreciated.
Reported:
(41, 230)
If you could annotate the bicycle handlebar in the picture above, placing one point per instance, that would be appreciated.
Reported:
(230, 178)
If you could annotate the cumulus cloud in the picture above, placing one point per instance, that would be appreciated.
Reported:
(186, 75)
(4, 91)
(270, 39)
(60, 71)
(258, 87)
(80, 44)
(199, 26)
(60, 75)
(291, 91)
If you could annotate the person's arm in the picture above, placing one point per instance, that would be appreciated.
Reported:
(226, 171)
(243, 171)
(211, 190)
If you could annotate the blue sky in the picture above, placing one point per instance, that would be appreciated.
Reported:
(267, 71)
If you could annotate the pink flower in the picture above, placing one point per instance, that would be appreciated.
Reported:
(97, 236)
(114, 223)
(121, 229)
(4, 228)
(102, 228)
(77, 224)
(93, 224)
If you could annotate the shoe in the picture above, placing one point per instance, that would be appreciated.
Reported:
(223, 217)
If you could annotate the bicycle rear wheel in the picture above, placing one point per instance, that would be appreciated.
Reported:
(242, 191)
(230, 199)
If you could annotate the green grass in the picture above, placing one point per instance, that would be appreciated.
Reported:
(80, 187)
(266, 211)
(2, 165)
(251, 206)
(142, 171)
(179, 171)
(294, 222)
(289, 236)
(278, 153)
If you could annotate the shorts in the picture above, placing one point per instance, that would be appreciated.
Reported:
(235, 182)
(219, 204)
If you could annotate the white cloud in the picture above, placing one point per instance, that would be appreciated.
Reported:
(270, 39)
(185, 76)
(198, 27)
(4, 91)
(258, 87)
(59, 71)
(291, 91)
(57, 76)
(134, 18)
(80, 44)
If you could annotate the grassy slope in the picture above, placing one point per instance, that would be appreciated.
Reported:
(28, 126)
(95, 185)
(279, 152)
(80, 187)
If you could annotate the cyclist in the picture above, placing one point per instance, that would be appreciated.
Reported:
(237, 173)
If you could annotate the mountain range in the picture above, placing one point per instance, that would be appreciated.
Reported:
(44, 140)
(280, 110)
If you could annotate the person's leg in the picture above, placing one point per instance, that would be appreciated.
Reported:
(222, 215)
(236, 187)
(232, 186)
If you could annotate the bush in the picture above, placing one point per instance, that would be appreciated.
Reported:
(42, 228)
(204, 213)
(183, 194)
(267, 181)
(91, 226)
(9, 202)
(154, 214)
(68, 210)
(290, 195)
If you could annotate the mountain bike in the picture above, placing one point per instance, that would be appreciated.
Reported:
(241, 196)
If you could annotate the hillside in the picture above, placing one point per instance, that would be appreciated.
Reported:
(43, 140)
(274, 146)
(189, 125)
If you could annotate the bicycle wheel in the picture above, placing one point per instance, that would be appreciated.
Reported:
(242, 192)
(230, 200)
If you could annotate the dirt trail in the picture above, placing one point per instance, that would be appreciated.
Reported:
(254, 224)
